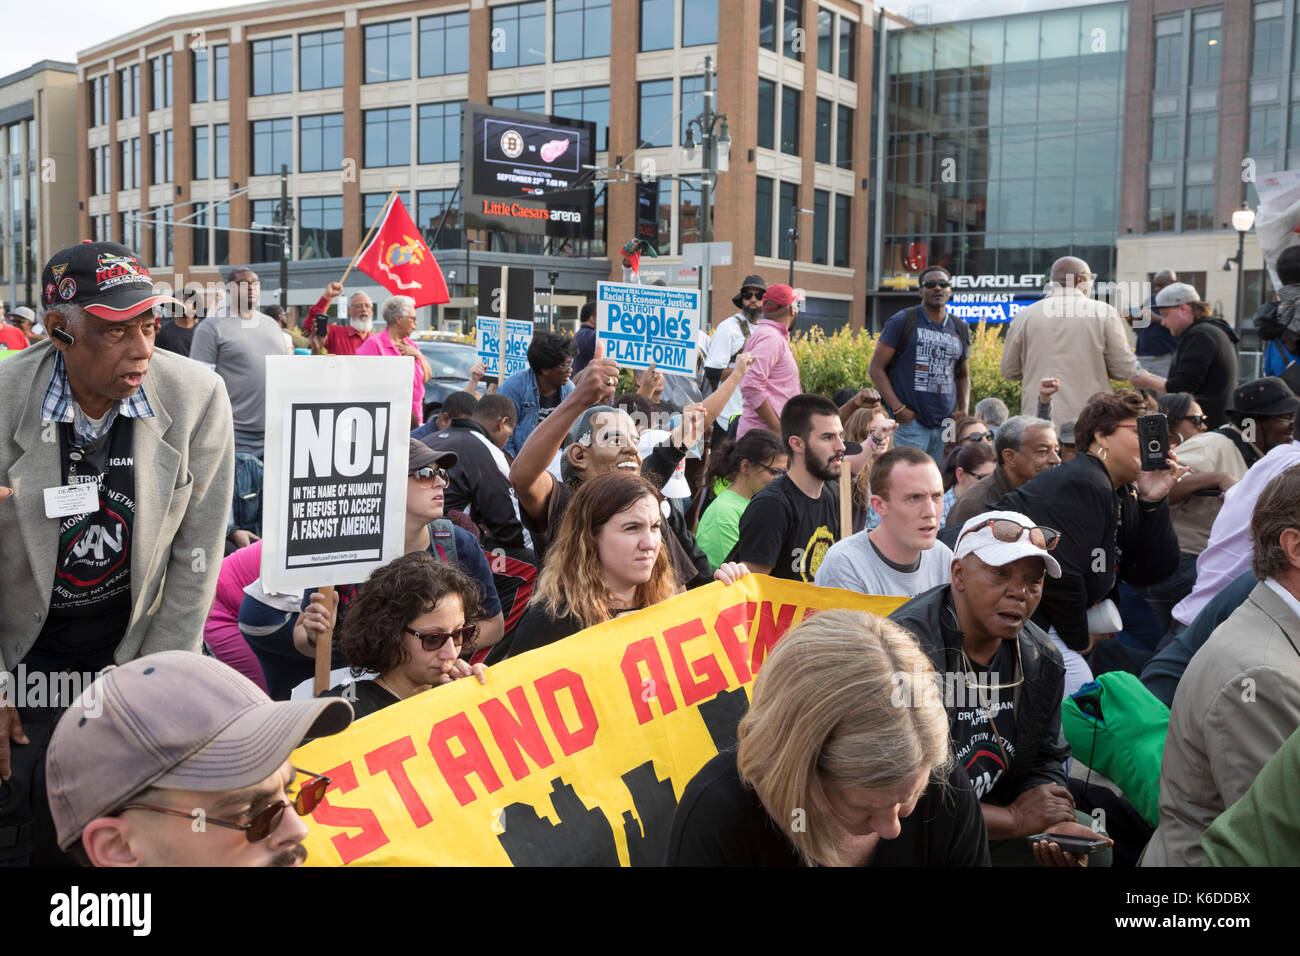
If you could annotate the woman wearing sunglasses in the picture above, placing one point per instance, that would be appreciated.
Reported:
(738, 470)
(1114, 523)
(873, 429)
(409, 625)
(608, 559)
(965, 468)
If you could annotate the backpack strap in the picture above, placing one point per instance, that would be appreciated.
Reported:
(911, 317)
(443, 536)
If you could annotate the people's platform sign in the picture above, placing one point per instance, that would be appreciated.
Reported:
(644, 325)
(572, 754)
(334, 498)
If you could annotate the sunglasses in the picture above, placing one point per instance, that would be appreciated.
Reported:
(978, 436)
(264, 822)
(429, 473)
(752, 295)
(1197, 420)
(435, 639)
(936, 284)
(774, 472)
(1004, 529)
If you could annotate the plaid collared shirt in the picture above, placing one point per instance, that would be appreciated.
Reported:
(59, 405)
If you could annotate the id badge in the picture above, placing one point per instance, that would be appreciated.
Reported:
(65, 500)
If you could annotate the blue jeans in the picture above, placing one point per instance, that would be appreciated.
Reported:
(929, 440)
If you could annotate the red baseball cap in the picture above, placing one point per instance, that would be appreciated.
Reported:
(104, 278)
(778, 297)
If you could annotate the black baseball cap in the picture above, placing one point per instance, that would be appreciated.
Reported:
(1264, 397)
(104, 278)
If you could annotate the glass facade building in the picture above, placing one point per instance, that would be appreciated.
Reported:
(1002, 143)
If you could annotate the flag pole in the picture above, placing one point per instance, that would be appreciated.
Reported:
(378, 219)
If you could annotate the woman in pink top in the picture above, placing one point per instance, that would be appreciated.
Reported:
(399, 317)
(221, 630)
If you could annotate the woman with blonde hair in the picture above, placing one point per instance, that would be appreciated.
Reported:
(843, 760)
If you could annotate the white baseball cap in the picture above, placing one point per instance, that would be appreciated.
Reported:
(978, 538)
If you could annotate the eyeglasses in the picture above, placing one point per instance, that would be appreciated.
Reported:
(936, 284)
(264, 822)
(978, 436)
(1197, 420)
(435, 639)
(1004, 529)
(430, 473)
(774, 472)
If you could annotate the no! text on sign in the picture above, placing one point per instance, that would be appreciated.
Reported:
(642, 325)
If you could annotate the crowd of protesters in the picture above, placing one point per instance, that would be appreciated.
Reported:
(1035, 552)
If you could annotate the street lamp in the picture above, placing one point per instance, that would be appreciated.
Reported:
(715, 138)
(793, 235)
(1243, 220)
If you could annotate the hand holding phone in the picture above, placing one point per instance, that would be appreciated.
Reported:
(1153, 439)
(321, 329)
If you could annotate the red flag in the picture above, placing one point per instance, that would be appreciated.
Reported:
(397, 258)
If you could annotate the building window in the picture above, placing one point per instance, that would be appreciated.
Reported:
(201, 164)
(821, 226)
(199, 70)
(161, 68)
(589, 103)
(320, 227)
(97, 172)
(221, 150)
(272, 62)
(320, 60)
(1202, 135)
(843, 225)
(131, 163)
(388, 51)
(517, 35)
(128, 88)
(767, 24)
(200, 249)
(790, 120)
(430, 205)
(1270, 34)
(699, 22)
(1166, 138)
(793, 40)
(848, 41)
(129, 226)
(320, 143)
(527, 102)
(1198, 208)
(162, 236)
(221, 234)
(439, 130)
(1206, 47)
(822, 145)
(388, 137)
(265, 239)
(1265, 129)
(692, 101)
(582, 29)
(657, 25)
(272, 146)
(762, 216)
(844, 138)
(444, 44)
(1169, 73)
(825, 37)
(162, 147)
(98, 100)
(221, 78)
(785, 218)
(766, 113)
(688, 214)
(656, 122)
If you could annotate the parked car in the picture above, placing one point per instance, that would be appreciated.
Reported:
(451, 362)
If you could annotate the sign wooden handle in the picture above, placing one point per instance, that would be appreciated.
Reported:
(846, 500)
(325, 646)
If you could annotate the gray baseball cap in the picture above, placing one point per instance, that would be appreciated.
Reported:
(175, 720)
(1176, 293)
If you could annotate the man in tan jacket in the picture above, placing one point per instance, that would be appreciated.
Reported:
(1069, 336)
(1239, 699)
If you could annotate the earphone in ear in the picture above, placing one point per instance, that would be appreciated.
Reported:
(62, 336)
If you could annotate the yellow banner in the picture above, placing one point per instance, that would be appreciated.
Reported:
(575, 753)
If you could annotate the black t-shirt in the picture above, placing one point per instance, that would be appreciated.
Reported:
(721, 822)
(173, 338)
(90, 602)
(787, 531)
(367, 696)
(547, 404)
(978, 752)
(537, 629)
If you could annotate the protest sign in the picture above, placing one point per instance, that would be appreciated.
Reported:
(487, 335)
(334, 505)
(642, 325)
(575, 753)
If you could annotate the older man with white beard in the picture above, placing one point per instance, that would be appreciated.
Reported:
(341, 339)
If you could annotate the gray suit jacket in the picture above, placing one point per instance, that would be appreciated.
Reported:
(184, 482)
(1237, 703)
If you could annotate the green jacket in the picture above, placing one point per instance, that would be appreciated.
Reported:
(1263, 827)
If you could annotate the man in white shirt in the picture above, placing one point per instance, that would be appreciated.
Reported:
(729, 339)
(902, 555)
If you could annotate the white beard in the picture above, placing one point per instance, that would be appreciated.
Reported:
(362, 325)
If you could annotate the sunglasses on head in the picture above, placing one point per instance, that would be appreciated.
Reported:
(936, 284)
(264, 822)
(435, 639)
(1004, 529)
(429, 473)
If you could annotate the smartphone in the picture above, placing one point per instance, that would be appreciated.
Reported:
(1072, 844)
(321, 327)
(1153, 436)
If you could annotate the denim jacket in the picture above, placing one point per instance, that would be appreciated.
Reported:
(521, 388)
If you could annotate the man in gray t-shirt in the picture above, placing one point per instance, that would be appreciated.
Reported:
(902, 555)
(235, 344)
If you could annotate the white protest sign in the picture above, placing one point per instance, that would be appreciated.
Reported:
(334, 485)
(641, 324)
(487, 333)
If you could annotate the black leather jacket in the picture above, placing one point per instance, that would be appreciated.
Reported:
(1041, 751)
